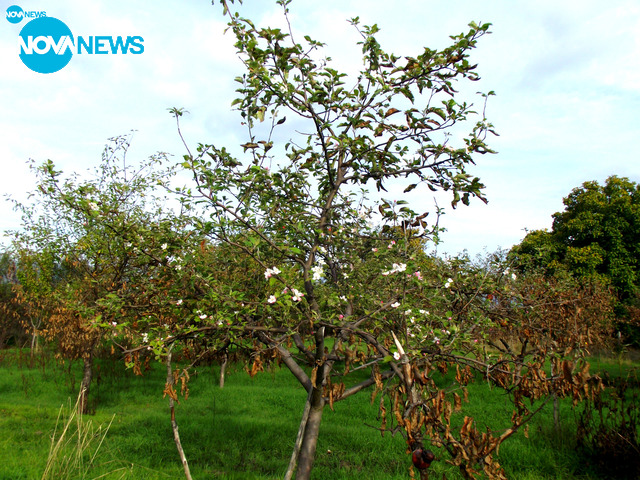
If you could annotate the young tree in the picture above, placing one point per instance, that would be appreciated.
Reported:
(84, 244)
(301, 213)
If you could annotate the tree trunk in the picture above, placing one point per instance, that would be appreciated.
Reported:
(87, 374)
(311, 431)
(556, 414)
(223, 369)
(35, 337)
(296, 449)
(174, 423)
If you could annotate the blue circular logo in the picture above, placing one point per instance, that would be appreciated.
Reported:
(46, 45)
(15, 14)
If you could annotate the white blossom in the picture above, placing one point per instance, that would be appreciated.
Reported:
(272, 299)
(317, 272)
(164, 246)
(269, 272)
(395, 305)
(297, 295)
(396, 355)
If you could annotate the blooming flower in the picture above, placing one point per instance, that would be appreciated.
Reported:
(114, 324)
(203, 316)
(178, 267)
(395, 305)
(396, 355)
(93, 205)
(179, 302)
(269, 272)
(448, 283)
(436, 340)
(164, 246)
(145, 337)
(317, 272)
(297, 295)
(513, 276)
(272, 299)
(397, 267)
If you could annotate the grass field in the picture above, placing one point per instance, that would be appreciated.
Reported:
(243, 431)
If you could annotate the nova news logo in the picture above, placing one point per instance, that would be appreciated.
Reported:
(47, 45)
(15, 14)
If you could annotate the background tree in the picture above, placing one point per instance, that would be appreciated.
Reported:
(11, 331)
(83, 243)
(595, 237)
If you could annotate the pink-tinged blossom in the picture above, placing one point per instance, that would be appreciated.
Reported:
(269, 272)
(179, 302)
(272, 299)
(297, 295)
(203, 316)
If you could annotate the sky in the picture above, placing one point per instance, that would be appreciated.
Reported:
(566, 77)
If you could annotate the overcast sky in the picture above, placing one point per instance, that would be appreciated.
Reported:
(566, 76)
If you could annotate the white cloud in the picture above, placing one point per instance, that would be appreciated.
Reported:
(566, 76)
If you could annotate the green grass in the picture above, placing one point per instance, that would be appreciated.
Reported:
(244, 431)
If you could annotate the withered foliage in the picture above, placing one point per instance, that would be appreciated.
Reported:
(533, 349)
